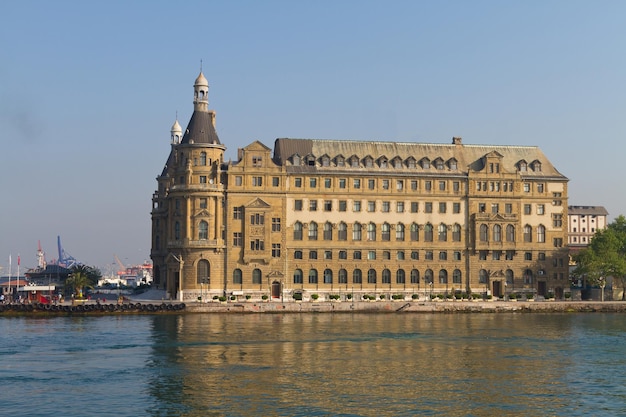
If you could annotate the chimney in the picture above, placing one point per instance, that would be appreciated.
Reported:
(456, 140)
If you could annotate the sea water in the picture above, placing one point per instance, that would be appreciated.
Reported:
(403, 364)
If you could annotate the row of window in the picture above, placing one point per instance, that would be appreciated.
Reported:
(370, 231)
(386, 276)
(371, 206)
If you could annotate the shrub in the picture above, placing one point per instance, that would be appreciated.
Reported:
(512, 296)
(382, 296)
(248, 296)
(315, 296)
(567, 296)
(550, 295)
(264, 297)
(349, 296)
(415, 296)
(215, 297)
(297, 296)
(529, 296)
(221, 298)
(232, 297)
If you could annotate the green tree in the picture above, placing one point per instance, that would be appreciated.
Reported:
(82, 277)
(605, 256)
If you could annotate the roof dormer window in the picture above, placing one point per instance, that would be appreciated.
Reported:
(295, 160)
(425, 163)
(523, 166)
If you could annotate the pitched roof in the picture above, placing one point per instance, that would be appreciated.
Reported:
(201, 129)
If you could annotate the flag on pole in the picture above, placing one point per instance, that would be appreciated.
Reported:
(18, 260)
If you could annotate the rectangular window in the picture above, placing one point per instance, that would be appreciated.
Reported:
(495, 208)
(312, 254)
(428, 207)
(328, 205)
(371, 184)
(371, 206)
(442, 186)
(257, 245)
(443, 256)
(237, 239)
(442, 207)
(482, 255)
(328, 254)
(496, 255)
(400, 255)
(527, 208)
(399, 185)
(557, 220)
(541, 209)
(456, 186)
(238, 180)
(275, 181)
(456, 255)
(558, 242)
(456, 208)
(528, 256)
(540, 188)
(297, 182)
(371, 255)
(414, 185)
(509, 255)
(257, 181)
(312, 205)
(328, 183)
(342, 183)
(400, 207)
(203, 203)
(356, 183)
(237, 213)
(257, 219)
(313, 182)
(276, 224)
(508, 208)
(297, 205)
(428, 185)
(414, 206)
(415, 255)
(275, 250)
(385, 184)
(526, 187)
(202, 179)
(343, 254)
(257, 161)
(356, 255)
(386, 206)
(343, 205)
(356, 206)
(429, 255)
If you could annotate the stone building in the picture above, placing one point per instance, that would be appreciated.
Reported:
(335, 217)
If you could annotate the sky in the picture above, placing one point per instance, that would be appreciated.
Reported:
(90, 89)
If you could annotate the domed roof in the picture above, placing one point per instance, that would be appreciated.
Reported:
(201, 80)
(176, 127)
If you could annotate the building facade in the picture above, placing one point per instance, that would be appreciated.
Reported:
(332, 217)
(582, 223)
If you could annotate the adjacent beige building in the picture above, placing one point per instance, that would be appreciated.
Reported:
(349, 218)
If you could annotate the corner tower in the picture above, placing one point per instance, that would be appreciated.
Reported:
(187, 217)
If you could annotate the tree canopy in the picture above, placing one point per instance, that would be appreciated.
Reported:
(82, 277)
(605, 256)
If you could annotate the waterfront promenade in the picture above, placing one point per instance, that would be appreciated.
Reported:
(406, 306)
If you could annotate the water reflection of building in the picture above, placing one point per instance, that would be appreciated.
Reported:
(331, 217)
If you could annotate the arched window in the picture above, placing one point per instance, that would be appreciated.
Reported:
(297, 276)
(386, 276)
(203, 230)
(497, 233)
(528, 233)
(456, 232)
(297, 254)
(428, 276)
(342, 276)
(371, 276)
(541, 234)
(415, 232)
(415, 276)
(342, 231)
(313, 276)
(456, 276)
(428, 232)
(443, 232)
(484, 233)
(400, 276)
(386, 232)
(177, 231)
(256, 276)
(297, 231)
(443, 276)
(510, 233)
(328, 231)
(312, 231)
(528, 276)
(328, 276)
(204, 274)
(509, 277)
(399, 232)
(357, 276)
(356, 231)
(482, 276)
(371, 232)
(237, 276)
(202, 158)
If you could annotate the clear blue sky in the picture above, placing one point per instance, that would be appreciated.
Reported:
(90, 89)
